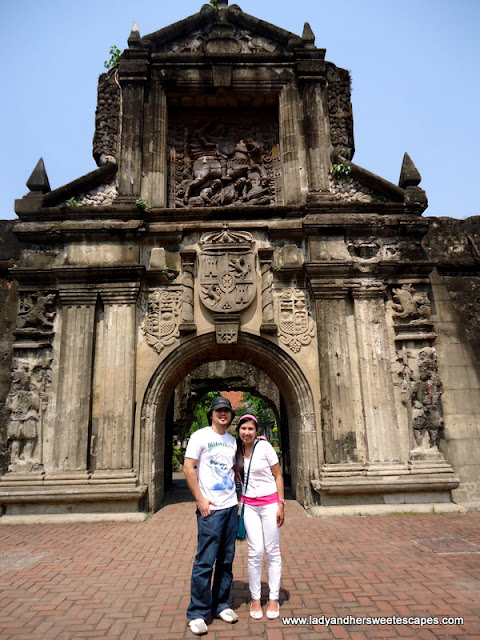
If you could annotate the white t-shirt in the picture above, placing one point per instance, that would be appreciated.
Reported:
(261, 481)
(215, 456)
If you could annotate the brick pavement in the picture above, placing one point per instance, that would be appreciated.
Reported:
(130, 581)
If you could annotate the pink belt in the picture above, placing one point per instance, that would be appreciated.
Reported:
(260, 501)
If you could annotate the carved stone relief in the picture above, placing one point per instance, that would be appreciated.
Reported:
(222, 38)
(161, 326)
(340, 110)
(36, 314)
(227, 161)
(422, 390)
(296, 327)
(27, 402)
(107, 117)
(410, 305)
(227, 271)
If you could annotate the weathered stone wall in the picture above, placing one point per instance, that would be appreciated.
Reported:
(454, 245)
(9, 253)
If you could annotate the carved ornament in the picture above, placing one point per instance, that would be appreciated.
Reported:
(162, 321)
(296, 328)
(227, 271)
(230, 160)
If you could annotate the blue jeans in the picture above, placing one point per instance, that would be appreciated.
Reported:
(216, 546)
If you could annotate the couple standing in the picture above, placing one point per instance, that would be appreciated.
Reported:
(217, 457)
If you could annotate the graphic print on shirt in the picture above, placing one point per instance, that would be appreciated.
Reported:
(221, 466)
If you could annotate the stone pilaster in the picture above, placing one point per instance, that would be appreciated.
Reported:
(132, 78)
(383, 446)
(268, 312)
(114, 379)
(340, 422)
(154, 182)
(317, 137)
(292, 146)
(187, 324)
(70, 450)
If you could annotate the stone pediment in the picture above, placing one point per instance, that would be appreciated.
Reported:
(223, 31)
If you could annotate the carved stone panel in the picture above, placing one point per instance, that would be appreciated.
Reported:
(296, 327)
(36, 314)
(162, 321)
(227, 271)
(227, 159)
(27, 403)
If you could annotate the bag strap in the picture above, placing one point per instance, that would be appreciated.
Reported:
(250, 466)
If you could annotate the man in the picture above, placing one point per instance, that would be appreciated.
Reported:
(213, 451)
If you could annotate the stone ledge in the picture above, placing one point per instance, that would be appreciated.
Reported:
(68, 518)
(432, 508)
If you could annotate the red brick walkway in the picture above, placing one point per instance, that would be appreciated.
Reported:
(130, 581)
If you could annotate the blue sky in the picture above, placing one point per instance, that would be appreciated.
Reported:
(414, 67)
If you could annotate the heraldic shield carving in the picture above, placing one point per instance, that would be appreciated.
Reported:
(227, 271)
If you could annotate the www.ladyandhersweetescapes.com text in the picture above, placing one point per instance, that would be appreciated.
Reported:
(372, 620)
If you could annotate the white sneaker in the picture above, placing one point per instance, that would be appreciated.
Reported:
(228, 615)
(198, 626)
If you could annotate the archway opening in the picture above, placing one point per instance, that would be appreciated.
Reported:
(157, 408)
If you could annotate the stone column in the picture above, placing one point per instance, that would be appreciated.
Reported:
(382, 433)
(70, 446)
(292, 146)
(154, 181)
(114, 379)
(339, 418)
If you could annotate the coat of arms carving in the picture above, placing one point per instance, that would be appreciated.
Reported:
(227, 271)
(161, 325)
(296, 327)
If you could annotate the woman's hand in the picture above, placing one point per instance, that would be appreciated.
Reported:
(280, 514)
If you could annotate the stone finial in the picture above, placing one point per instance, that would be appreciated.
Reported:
(222, 3)
(308, 36)
(38, 181)
(409, 175)
(134, 37)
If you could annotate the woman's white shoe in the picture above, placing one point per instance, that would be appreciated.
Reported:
(273, 615)
(256, 615)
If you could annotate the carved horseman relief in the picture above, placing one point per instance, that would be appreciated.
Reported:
(215, 160)
(227, 271)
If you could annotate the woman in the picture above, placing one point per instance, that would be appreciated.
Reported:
(264, 512)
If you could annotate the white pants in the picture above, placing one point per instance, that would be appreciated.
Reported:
(263, 534)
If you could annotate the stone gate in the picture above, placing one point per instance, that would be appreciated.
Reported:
(226, 221)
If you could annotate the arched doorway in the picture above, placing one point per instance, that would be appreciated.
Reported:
(276, 363)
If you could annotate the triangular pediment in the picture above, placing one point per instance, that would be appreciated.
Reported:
(224, 31)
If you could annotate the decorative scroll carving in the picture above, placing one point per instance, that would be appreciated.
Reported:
(222, 162)
(422, 390)
(36, 314)
(188, 267)
(107, 117)
(27, 402)
(340, 111)
(268, 311)
(162, 320)
(227, 271)
(296, 327)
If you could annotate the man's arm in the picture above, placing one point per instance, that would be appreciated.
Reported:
(203, 503)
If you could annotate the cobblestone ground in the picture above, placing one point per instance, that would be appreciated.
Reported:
(130, 581)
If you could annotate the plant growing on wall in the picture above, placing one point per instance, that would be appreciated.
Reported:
(340, 170)
(115, 54)
(214, 4)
